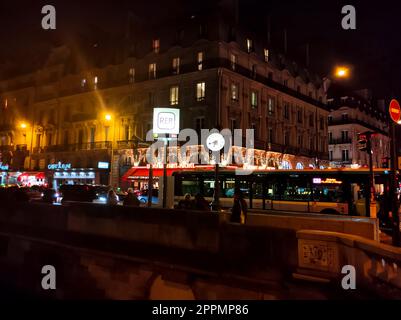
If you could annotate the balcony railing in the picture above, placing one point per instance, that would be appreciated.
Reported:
(103, 145)
(337, 122)
(340, 141)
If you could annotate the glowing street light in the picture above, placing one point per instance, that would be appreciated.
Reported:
(342, 72)
(108, 117)
(23, 125)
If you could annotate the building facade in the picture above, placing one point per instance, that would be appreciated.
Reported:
(351, 116)
(87, 118)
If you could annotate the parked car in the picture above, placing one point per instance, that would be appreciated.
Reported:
(80, 193)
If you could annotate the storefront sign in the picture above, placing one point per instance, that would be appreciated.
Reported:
(59, 166)
(326, 181)
(103, 165)
(166, 121)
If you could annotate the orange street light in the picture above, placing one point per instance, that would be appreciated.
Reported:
(23, 125)
(342, 72)
(108, 117)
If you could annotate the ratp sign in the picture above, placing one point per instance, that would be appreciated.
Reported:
(166, 121)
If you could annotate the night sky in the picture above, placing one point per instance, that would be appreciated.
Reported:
(373, 50)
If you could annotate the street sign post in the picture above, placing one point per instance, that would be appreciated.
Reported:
(395, 115)
(395, 111)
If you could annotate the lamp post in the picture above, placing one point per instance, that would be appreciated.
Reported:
(108, 118)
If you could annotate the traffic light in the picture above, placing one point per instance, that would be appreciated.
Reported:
(365, 142)
(362, 143)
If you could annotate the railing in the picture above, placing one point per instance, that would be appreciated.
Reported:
(336, 122)
(340, 141)
(103, 145)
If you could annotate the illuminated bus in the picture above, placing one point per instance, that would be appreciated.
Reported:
(331, 191)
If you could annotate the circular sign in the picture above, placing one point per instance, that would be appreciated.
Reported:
(215, 142)
(395, 111)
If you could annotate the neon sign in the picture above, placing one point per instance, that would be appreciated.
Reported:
(59, 165)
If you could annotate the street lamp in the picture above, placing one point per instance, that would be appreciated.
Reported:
(341, 72)
(108, 118)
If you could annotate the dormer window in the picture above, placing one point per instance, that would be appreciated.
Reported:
(249, 45)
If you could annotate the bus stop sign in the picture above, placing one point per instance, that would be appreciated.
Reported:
(395, 111)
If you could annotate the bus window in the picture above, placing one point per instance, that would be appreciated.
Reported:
(228, 188)
(297, 190)
(244, 187)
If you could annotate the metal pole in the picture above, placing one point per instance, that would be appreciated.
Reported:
(165, 173)
(372, 197)
(393, 187)
(150, 186)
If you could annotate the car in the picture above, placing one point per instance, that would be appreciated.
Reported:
(143, 197)
(79, 193)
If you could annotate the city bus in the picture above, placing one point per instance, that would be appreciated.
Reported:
(330, 191)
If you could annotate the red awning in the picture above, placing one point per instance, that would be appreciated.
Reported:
(138, 172)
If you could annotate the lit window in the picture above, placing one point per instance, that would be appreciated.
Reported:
(345, 155)
(266, 51)
(174, 95)
(95, 82)
(156, 45)
(200, 91)
(152, 71)
(234, 92)
(176, 65)
(131, 75)
(200, 61)
(254, 99)
(233, 60)
(249, 45)
(270, 106)
(83, 83)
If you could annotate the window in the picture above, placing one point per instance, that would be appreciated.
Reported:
(233, 125)
(233, 60)
(156, 45)
(321, 123)
(83, 83)
(174, 95)
(199, 124)
(152, 71)
(80, 136)
(131, 75)
(254, 71)
(331, 157)
(200, 91)
(249, 45)
(286, 139)
(202, 30)
(266, 52)
(345, 116)
(234, 92)
(254, 99)
(311, 120)
(255, 130)
(176, 65)
(270, 106)
(330, 137)
(310, 94)
(49, 139)
(126, 133)
(286, 111)
(200, 60)
(344, 136)
(330, 119)
(300, 141)
(345, 155)
(298, 89)
(271, 137)
(38, 137)
(299, 116)
(286, 82)
(312, 143)
(95, 82)
(92, 134)
(66, 139)
(270, 75)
